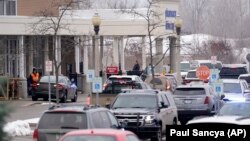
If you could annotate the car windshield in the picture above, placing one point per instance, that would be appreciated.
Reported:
(185, 67)
(209, 65)
(232, 88)
(63, 120)
(190, 91)
(45, 79)
(239, 109)
(117, 88)
(233, 71)
(134, 101)
(89, 138)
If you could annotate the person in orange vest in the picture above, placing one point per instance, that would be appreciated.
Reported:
(34, 77)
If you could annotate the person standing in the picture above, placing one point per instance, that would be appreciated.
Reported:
(34, 77)
(136, 66)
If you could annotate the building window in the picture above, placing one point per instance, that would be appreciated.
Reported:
(8, 7)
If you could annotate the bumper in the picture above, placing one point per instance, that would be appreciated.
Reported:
(46, 95)
(144, 131)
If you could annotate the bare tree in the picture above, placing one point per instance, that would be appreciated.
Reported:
(51, 24)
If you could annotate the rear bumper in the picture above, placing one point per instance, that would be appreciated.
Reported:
(189, 114)
(145, 131)
(46, 94)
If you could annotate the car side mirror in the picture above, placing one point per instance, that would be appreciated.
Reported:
(222, 97)
(107, 106)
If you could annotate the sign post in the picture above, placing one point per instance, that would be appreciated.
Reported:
(97, 88)
(218, 89)
(48, 68)
(90, 77)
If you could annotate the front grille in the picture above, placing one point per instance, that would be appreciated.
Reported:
(129, 117)
(131, 120)
(134, 124)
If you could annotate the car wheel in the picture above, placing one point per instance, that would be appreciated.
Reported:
(75, 97)
(175, 122)
(34, 98)
(158, 136)
(183, 122)
(64, 97)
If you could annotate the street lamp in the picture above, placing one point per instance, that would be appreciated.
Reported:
(178, 24)
(96, 21)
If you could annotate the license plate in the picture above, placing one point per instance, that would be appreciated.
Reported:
(187, 101)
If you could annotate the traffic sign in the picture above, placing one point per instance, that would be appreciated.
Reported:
(213, 60)
(90, 75)
(97, 85)
(218, 88)
(112, 70)
(214, 75)
(202, 72)
(48, 66)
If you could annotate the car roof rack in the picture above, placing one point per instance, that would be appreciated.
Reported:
(140, 91)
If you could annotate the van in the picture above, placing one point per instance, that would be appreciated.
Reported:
(197, 63)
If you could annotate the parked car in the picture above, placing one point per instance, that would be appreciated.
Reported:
(232, 113)
(235, 90)
(56, 122)
(99, 135)
(232, 71)
(67, 90)
(161, 82)
(145, 112)
(197, 63)
(194, 100)
(191, 77)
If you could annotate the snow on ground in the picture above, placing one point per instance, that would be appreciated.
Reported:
(20, 127)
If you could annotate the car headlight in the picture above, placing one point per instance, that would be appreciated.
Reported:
(149, 119)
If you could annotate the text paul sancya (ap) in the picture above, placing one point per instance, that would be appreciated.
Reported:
(196, 132)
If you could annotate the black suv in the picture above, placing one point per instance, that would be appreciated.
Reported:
(59, 120)
(145, 112)
(232, 72)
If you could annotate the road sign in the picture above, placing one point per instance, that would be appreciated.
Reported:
(90, 75)
(48, 66)
(214, 75)
(112, 70)
(213, 60)
(218, 87)
(97, 85)
(202, 72)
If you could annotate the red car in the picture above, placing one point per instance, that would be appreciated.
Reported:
(99, 135)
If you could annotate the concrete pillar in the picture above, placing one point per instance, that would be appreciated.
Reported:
(159, 53)
(31, 50)
(85, 44)
(96, 56)
(22, 61)
(121, 50)
(115, 61)
(172, 47)
(144, 57)
(93, 53)
(101, 52)
(46, 53)
(178, 60)
(77, 54)
(58, 53)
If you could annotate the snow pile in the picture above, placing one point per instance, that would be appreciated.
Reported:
(18, 128)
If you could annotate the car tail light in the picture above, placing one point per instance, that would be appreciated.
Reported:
(35, 135)
(206, 100)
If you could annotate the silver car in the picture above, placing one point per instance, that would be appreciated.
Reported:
(194, 100)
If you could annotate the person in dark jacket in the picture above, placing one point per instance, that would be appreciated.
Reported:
(136, 66)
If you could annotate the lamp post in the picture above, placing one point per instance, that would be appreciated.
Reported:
(96, 21)
(178, 24)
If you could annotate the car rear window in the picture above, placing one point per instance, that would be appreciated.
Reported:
(247, 78)
(191, 74)
(119, 79)
(190, 91)
(89, 138)
(63, 120)
(233, 71)
(52, 79)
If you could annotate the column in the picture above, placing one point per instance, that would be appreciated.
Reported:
(159, 54)
(77, 54)
(121, 50)
(58, 53)
(115, 61)
(144, 57)
(178, 60)
(46, 52)
(85, 44)
(172, 50)
(96, 56)
(31, 50)
(93, 53)
(101, 52)
(21, 57)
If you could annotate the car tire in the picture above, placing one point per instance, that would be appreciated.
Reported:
(175, 121)
(158, 136)
(183, 122)
(75, 97)
(34, 98)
